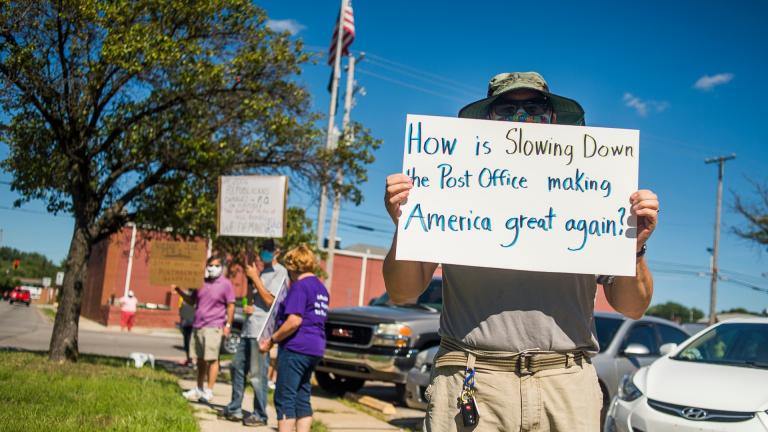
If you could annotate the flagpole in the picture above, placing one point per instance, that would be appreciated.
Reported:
(331, 121)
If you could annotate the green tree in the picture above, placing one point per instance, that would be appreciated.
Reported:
(32, 264)
(674, 312)
(756, 215)
(117, 111)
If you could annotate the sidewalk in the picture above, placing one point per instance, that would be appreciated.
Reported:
(333, 414)
(91, 325)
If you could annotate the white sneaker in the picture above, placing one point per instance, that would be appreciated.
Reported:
(206, 396)
(193, 394)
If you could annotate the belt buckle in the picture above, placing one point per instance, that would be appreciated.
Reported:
(524, 363)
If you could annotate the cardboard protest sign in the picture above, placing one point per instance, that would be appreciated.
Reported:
(270, 324)
(177, 263)
(519, 196)
(252, 206)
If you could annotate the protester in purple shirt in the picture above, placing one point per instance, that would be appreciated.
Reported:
(214, 312)
(301, 335)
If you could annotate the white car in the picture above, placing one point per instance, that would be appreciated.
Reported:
(716, 381)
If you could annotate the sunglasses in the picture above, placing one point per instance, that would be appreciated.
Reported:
(507, 108)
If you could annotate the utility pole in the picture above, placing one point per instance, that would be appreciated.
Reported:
(347, 136)
(720, 160)
(329, 139)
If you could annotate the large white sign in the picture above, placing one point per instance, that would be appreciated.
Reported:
(252, 206)
(519, 196)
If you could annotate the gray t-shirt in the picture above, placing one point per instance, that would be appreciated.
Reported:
(510, 310)
(272, 278)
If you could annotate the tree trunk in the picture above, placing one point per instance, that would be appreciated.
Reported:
(65, 329)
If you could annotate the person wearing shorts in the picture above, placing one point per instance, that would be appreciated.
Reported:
(214, 312)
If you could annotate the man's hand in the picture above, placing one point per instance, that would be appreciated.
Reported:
(645, 205)
(253, 271)
(227, 331)
(248, 309)
(398, 188)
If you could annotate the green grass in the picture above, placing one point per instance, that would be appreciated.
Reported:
(49, 312)
(97, 393)
(318, 426)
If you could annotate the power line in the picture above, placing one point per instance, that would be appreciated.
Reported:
(432, 76)
(411, 86)
(433, 81)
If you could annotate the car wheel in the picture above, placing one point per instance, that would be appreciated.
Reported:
(230, 343)
(338, 384)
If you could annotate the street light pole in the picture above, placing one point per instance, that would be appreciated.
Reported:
(347, 136)
(720, 160)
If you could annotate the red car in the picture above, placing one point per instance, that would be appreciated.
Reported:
(21, 296)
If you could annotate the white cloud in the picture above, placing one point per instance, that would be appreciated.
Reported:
(644, 107)
(289, 25)
(707, 83)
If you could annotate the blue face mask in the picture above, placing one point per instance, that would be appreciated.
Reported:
(266, 256)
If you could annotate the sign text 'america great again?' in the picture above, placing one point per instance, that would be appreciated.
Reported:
(519, 196)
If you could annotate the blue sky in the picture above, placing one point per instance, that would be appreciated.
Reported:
(688, 75)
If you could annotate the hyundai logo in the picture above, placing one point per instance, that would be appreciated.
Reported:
(694, 413)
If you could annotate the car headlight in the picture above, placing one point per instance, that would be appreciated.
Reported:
(393, 335)
(628, 391)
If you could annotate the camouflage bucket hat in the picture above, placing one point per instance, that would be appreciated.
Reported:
(568, 110)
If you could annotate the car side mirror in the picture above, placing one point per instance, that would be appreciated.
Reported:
(667, 348)
(636, 349)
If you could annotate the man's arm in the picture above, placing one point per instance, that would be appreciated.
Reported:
(186, 297)
(404, 280)
(230, 318)
(631, 295)
(253, 274)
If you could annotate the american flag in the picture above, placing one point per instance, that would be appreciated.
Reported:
(347, 37)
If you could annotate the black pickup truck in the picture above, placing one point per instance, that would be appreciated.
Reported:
(378, 342)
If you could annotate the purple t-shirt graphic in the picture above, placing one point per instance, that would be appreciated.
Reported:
(309, 299)
(211, 303)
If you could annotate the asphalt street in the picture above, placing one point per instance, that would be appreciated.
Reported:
(26, 328)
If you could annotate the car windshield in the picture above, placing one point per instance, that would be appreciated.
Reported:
(740, 344)
(432, 298)
(606, 330)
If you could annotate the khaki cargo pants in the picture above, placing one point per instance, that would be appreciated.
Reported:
(564, 399)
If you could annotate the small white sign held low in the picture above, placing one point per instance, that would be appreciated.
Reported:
(252, 206)
(519, 196)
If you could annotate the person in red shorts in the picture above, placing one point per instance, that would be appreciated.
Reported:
(127, 311)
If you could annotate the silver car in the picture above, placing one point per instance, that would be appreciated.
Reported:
(625, 345)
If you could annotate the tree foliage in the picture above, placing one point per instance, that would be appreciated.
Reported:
(756, 215)
(117, 111)
(675, 312)
(31, 264)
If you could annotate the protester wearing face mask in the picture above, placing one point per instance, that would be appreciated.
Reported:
(516, 346)
(127, 311)
(265, 278)
(214, 311)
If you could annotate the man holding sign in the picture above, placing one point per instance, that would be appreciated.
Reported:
(265, 279)
(516, 327)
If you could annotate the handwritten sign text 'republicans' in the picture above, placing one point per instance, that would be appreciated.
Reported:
(519, 195)
(252, 206)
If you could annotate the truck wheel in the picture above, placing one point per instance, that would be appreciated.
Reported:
(338, 384)
(400, 394)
